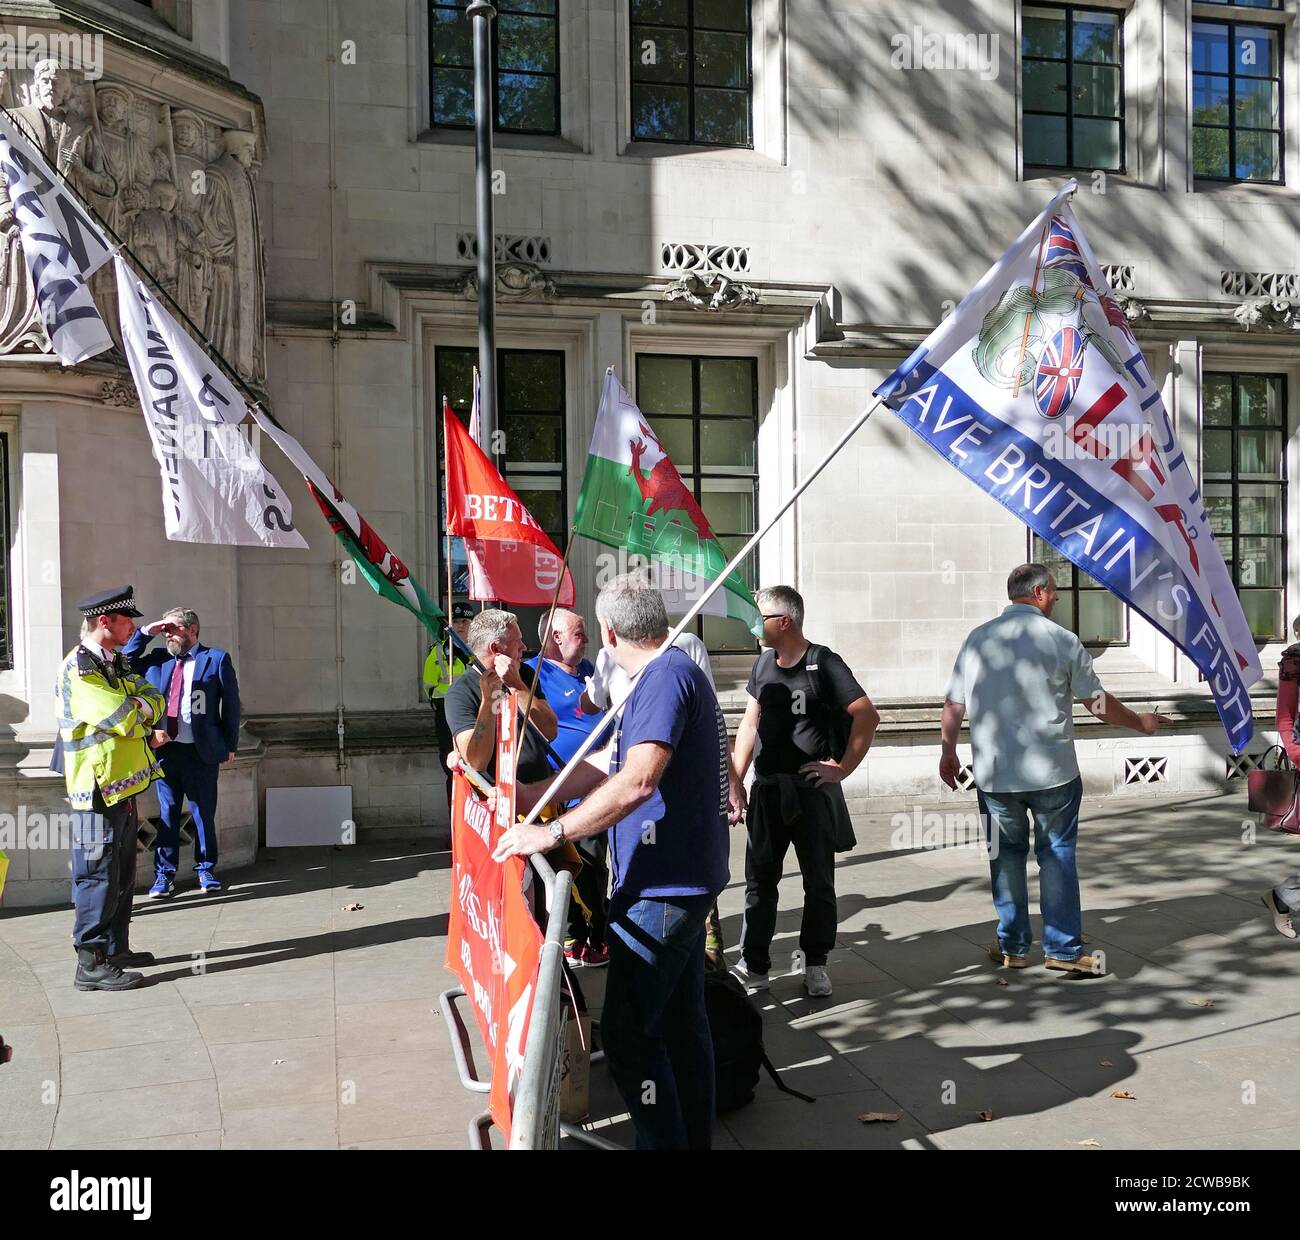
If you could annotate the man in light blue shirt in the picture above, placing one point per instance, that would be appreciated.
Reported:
(1018, 677)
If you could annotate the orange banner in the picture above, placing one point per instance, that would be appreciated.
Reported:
(493, 943)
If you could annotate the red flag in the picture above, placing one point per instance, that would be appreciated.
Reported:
(511, 557)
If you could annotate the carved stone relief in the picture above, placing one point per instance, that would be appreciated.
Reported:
(175, 187)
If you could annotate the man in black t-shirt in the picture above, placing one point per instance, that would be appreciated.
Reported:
(498, 645)
(801, 697)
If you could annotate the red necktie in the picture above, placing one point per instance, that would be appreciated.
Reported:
(173, 725)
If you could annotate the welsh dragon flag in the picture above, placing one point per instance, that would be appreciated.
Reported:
(633, 497)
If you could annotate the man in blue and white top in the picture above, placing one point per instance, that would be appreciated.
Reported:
(565, 670)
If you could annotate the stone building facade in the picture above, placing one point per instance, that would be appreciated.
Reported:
(754, 209)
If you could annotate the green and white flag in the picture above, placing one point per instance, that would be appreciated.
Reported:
(633, 497)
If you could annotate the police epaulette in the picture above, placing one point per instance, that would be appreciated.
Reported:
(87, 664)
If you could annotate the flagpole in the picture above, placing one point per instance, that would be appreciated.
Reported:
(446, 491)
(599, 730)
(550, 615)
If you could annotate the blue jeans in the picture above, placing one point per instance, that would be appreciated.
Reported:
(654, 1025)
(1056, 828)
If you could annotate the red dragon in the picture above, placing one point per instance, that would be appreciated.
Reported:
(664, 487)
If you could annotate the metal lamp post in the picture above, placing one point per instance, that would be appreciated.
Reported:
(482, 13)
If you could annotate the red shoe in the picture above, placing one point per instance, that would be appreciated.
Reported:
(573, 953)
(595, 957)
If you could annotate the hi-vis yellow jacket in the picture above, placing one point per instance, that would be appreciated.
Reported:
(438, 678)
(103, 732)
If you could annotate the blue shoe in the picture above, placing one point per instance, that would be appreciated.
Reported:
(163, 888)
(209, 881)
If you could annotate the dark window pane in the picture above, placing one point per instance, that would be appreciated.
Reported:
(452, 38)
(1263, 610)
(455, 378)
(1258, 156)
(722, 635)
(1210, 153)
(660, 55)
(1257, 103)
(526, 43)
(1101, 617)
(545, 505)
(534, 439)
(1259, 509)
(1096, 37)
(532, 381)
(1063, 612)
(721, 14)
(453, 96)
(675, 438)
(1043, 33)
(1047, 555)
(1216, 399)
(1259, 453)
(1261, 562)
(1096, 90)
(1045, 140)
(1217, 458)
(661, 113)
(727, 385)
(721, 60)
(670, 12)
(526, 103)
(1044, 82)
(722, 117)
(664, 384)
(1210, 48)
(527, 6)
(1096, 144)
(1261, 400)
(1256, 51)
(730, 511)
(727, 443)
(1218, 507)
(1210, 99)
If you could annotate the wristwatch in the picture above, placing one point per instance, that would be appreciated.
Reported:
(556, 828)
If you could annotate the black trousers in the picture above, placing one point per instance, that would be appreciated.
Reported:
(592, 885)
(445, 742)
(811, 829)
(103, 876)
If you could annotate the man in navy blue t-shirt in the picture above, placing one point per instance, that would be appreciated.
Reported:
(564, 670)
(666, 804)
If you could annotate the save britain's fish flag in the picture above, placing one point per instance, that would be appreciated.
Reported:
(1035, 388)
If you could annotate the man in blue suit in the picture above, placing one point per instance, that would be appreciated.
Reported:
(199, 732)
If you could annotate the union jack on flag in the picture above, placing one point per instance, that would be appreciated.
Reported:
(1059, 371)
(1063, 251)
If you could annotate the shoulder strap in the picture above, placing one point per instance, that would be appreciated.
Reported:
(780, 1084)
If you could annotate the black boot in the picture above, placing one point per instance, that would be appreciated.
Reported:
(95, 972)
(131, 960)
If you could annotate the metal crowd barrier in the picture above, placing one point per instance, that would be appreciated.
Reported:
(536, 1121)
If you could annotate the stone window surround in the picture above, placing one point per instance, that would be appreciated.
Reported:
(584, 125)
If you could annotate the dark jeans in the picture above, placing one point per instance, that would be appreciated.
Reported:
(812, 832)
(103, 875)
(185, 775)
(654, 1025)
(592, 885)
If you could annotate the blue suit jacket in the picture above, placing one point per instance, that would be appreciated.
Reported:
(216, 725)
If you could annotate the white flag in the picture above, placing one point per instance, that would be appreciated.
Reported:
(1036, 390)
(62, 246)
(215, 488)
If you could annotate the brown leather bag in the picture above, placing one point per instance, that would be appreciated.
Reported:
(1275, 794)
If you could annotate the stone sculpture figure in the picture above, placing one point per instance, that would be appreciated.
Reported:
(194, 258)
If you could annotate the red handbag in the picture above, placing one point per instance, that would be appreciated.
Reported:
(1275, 794)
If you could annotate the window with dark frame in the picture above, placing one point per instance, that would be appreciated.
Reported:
(705, 412)
(1083, 605)
(1243, 482)
(691, 72)
(531, 410)
(6, 593)
(525, 66)
(1237, 115)
(1072, 78)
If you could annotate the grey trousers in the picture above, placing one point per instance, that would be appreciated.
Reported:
(1287, 894)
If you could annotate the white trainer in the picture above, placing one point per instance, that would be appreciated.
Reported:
(750, 979)
(816, 981)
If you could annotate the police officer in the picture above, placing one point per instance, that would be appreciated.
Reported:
(106, 714)
(438, 678)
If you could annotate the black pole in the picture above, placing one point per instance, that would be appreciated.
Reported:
(482, 13)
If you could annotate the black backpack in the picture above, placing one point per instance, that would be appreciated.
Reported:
(737, 1030)
(839, 723)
